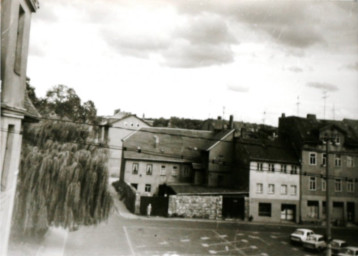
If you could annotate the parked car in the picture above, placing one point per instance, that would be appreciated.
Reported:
(300, 235)
(349, 251)
(315, 242)
(337, 246)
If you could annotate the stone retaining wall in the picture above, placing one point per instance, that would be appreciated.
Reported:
(204, 207)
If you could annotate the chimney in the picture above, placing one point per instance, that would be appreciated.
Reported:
(231, 122)
(311, 117)
(219, 117)
(283, 115)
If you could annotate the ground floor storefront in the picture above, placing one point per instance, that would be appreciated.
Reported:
(273, 210)
(343, 210)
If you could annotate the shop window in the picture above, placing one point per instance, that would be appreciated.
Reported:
(265, 209)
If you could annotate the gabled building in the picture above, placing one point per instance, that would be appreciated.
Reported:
(308, 137)
(16, 107)
(269, 172)
(157, 156)
(113, 130)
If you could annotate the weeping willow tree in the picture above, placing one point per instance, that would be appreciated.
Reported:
(62, 180)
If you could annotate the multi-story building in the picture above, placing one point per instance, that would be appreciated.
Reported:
(15, 105)
(269, 172)
(113, 130)
(309, 138)
(156, 156)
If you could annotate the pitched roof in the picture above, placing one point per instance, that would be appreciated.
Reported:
(109, 121)
(266, 150)
(31, 112)
(167, 144)
(309, 128)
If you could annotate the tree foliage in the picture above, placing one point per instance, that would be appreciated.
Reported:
(64, 102)
(63, 178)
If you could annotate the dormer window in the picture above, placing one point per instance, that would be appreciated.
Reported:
(336, 139)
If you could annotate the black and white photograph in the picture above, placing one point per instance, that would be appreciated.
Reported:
(179, 128)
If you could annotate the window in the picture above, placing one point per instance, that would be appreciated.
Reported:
(293, 190)
(293, 169)
(283, 168)
(19, 41)
(265, 209)
(135, 168)
(271, 188)
(186, 171)
(134, 185)
(323, 184)
(259, 188)
(163, 171)
(149, 170)
(147, 188)
(260, 166)
(324, 159)
(350, 161)
(337, 139)
(283, 189)
(313, 157)
(350, 185)
(312, 183)
(271, 168)
(337, 161)
(338, 185)
(312, 207)
(175, 171)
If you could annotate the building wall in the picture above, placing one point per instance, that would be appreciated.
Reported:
(15, 29)
(205, 207)
(14, 79)
(116, 133)
(174, 173)
(317, 172)
(277, 197)
(220, 164)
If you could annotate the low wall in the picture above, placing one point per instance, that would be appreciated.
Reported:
(204, 207)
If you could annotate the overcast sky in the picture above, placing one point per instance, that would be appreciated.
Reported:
(200, 59)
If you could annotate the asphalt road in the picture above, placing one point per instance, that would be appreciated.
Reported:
(125, 234)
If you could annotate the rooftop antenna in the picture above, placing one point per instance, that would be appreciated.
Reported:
(223, 112)
(324, 103)
(334, 112)
(264, 116)
(298, 105)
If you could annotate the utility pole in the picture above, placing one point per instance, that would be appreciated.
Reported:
(328, 201)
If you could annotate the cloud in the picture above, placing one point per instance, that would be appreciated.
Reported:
(200, 41)
(237, 88)
(323, 86)
(292, 24)
(295, 69)
(353, 66)
(184, 55)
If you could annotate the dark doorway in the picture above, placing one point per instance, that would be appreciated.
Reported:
(234, 207)
(288, 212)
(350, 211)
(159, 205)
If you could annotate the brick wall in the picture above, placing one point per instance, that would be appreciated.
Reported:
(204, 207)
